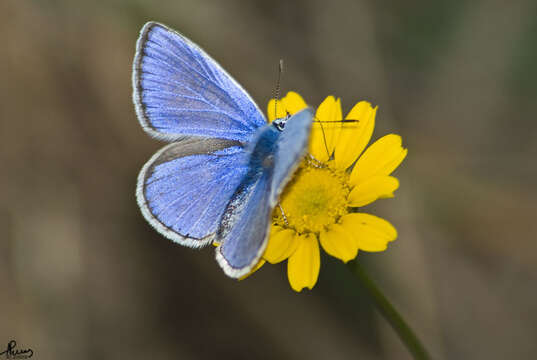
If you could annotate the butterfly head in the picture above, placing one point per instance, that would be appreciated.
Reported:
(280, 123)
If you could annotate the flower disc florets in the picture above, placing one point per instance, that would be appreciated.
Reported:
(314, 199)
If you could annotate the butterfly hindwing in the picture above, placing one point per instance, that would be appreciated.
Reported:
(184, 188)
(244, 227)
(179, 91)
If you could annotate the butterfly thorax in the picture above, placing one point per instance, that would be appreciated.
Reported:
(262, 153)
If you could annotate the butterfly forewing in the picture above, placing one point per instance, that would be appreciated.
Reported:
(179, 91)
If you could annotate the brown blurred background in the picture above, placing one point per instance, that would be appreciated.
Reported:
(83, 276)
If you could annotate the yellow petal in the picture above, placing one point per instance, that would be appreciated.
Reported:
(275, 109)
(325, 129)
(381, 158)
(289, 104)
(256, 267)
(280, 246)
(354, 136)
(338, 243)
(371, 232)
(303, 266)
(372, 189)
(274, 229)
(271, 110)
(294, 103)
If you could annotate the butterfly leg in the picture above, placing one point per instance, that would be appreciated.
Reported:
(314, 162)
(283, 214)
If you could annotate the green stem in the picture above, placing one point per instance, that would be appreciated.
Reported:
(387, 310)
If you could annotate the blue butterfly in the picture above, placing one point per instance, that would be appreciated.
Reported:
(220, 177)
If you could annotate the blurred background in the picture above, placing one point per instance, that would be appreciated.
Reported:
(83, 276)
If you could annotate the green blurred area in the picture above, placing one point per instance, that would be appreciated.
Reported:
(84, 276)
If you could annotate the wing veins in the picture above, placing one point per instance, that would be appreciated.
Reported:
(217, 111)
(207, 207)
(187, 193)
(178, 95)
(187, 65)
(186, 48)
(194, 202)
(202, 99)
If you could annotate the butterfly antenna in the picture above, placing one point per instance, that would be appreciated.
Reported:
(324, 137)
(331, 121)
(277, 92)
(337, 121)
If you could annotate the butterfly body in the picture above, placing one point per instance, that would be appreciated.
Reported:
(219, 178)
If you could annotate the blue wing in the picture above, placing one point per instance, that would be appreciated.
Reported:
(184, 188)
(244, 227)
(179, 91)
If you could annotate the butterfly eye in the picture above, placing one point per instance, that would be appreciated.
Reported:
(279, 124)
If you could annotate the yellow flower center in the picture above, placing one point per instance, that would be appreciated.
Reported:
(315, 198)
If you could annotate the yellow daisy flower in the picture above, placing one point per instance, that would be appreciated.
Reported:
(318, 206)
